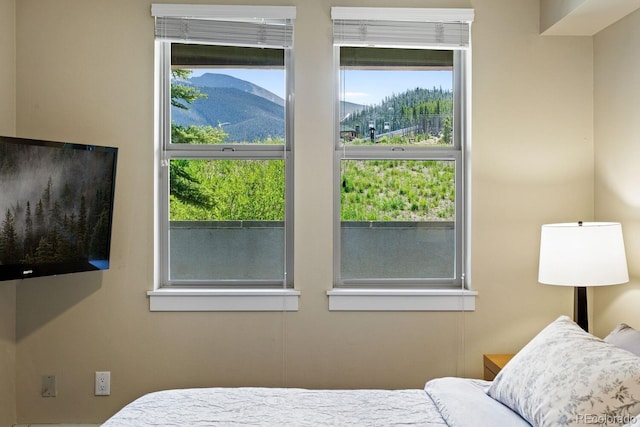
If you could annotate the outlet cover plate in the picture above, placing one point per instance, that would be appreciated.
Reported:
(49, 388)
(103, 383)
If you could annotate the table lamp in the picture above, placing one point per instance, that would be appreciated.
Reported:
(582, 254)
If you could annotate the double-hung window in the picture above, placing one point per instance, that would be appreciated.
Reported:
(401, 135)
(224, 201)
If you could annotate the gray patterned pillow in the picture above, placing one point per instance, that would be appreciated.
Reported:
(624, 336)
(567, 377)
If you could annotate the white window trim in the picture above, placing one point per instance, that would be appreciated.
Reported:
(424, 299)
(402, 299)
(190, 299)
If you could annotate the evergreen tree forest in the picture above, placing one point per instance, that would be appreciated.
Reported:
(415, 116)
(55, 204)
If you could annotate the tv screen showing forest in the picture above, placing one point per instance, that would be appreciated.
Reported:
(56, 207)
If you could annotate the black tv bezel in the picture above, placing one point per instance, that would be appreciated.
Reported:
(26, 270)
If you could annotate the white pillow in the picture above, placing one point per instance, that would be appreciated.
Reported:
(624, 336)
(567, 377)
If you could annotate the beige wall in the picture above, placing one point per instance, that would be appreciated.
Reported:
(617, 133)
(553, 11)
(7, 67)
(85, 72)
(7, 354)
(532, 164)
(7, 289)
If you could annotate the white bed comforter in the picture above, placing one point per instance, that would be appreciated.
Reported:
(447, 401)
(279, 407)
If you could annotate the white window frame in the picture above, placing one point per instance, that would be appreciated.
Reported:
(173, 297)
(438, 29)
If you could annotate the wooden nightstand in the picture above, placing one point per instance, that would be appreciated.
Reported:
(493, 363)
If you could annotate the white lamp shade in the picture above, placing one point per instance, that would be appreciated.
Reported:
(582, 254)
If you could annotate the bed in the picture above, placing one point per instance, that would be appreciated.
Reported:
(563, 377)
(302, 407)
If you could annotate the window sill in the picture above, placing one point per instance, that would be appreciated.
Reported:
(223, 300)
(402, 300)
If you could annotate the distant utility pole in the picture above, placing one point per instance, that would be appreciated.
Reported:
(372, 130)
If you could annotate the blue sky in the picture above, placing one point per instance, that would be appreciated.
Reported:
(370, 87)
(359, 86)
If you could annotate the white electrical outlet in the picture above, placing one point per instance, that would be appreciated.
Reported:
(103, 383)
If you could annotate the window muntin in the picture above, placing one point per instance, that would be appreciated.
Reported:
(419, 122)
(225, 205)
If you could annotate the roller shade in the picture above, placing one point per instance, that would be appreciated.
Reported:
(270, 27)
(402, 28)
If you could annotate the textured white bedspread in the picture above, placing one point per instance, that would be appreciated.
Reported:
(279, 407)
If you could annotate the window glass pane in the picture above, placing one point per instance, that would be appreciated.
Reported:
(226, 190)
(396, 96)
(397, 219)
(238, 91)
(227, 219)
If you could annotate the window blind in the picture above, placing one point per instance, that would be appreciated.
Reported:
(270, 27)
(402, 28)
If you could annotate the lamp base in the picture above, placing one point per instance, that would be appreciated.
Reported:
(580, 307)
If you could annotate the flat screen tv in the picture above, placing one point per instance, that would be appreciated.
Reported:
(56, 207)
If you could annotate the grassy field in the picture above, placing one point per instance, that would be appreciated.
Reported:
(397, 190)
